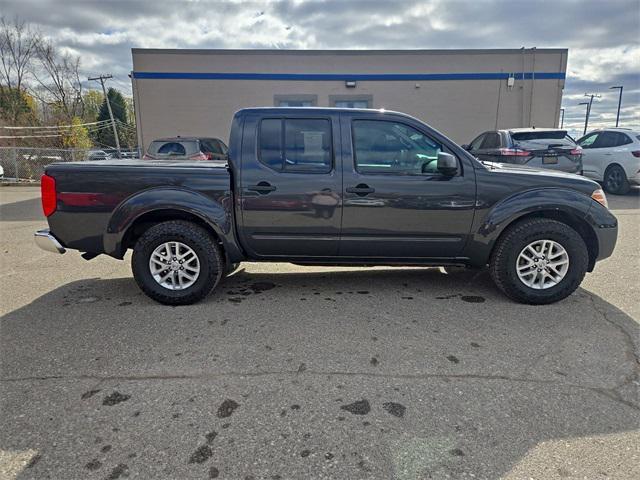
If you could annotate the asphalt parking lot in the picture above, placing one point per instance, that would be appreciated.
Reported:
(303, 373)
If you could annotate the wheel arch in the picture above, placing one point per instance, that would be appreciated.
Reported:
(560, 204)
(136, 214)
(578, 224)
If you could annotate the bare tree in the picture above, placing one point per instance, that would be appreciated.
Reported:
(59, 80)
(18, 48)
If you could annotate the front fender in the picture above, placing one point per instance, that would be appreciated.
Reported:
(218, 215)
(492, 222)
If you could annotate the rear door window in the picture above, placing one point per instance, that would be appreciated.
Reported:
(296, 144)
(491, 140)
(622, 139)
(606, 140)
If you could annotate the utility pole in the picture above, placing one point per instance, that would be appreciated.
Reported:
(101, 79)
(562, 118)
(588, 104)
(619, 102)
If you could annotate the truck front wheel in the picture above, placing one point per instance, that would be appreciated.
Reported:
(176, 263)
(539, 261)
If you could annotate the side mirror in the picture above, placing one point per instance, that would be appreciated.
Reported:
(466, 146)
(447, 164)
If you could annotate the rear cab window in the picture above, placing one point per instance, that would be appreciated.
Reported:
(173, 148)
(301, 145)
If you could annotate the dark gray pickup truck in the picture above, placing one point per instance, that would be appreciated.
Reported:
(328, 186)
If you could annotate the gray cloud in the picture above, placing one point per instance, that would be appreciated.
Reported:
(602, 37)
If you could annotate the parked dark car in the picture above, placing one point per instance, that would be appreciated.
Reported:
(187, 148)
(534, 147)
(320, 186)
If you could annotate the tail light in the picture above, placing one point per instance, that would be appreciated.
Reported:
(514, 152)
(48, 193)
(636, 153)
(199, 156)
(576, 151)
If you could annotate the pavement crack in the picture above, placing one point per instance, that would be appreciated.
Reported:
(611, 394)
(630, 350)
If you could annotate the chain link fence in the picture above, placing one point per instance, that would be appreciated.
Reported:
(26, 164)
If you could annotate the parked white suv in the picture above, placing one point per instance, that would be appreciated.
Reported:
(612, 156)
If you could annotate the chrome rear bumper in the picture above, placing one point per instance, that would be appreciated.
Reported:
(48, 242)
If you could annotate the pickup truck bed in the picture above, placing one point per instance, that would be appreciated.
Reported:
(330, 186)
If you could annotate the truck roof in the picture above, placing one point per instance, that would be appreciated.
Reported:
(327, 110)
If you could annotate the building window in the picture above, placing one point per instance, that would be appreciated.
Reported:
(352, 104)
(295, 100)
(295, 103)
(351, 101)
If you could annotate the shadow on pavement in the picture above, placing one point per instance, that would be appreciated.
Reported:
(398, 373)
(22, 211)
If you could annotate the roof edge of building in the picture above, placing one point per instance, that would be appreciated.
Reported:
(470, 51)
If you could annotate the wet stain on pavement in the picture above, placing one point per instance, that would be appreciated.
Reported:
(363, 292)
(89, 394)
(456, 452)
(305, 453)
(201, 455)
(211, 436)
(374, 361)
(226, 408)
(105, 449)
(32, 462)
(302, 367)
(214, 472)
(453, 359)
(120, 470)
(115, 398)
(475, 345)
(124, 304)
(448, 297)
(472, 299)
(361, 407)
(93, 465)
(395, 409)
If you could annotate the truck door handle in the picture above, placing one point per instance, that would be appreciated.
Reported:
(262, 188)
(361, 189)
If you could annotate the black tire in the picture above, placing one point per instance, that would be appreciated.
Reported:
(195, 237)
(502, 266)
(615, 180)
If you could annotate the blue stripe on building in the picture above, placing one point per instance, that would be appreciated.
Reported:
(349, 76)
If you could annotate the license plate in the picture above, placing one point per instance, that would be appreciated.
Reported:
(550, 159)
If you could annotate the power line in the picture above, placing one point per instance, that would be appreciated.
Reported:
(56, 126)
(101, 79)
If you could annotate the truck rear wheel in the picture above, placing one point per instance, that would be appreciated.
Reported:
(176, 263)
(539, 261)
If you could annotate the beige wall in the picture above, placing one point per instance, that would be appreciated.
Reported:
(459, 108)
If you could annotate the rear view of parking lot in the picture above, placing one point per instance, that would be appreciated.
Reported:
(297, 372)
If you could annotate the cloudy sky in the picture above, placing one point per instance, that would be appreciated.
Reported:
(603, 37)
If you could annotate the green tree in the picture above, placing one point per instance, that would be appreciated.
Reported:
(17, 107)
(92, 100)
(119, 108)
(77, 136)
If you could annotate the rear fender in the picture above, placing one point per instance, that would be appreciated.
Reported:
(542, 201)
(212, 213)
